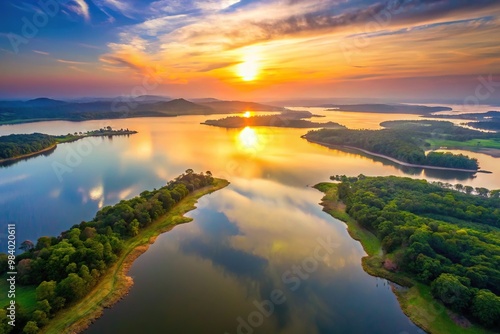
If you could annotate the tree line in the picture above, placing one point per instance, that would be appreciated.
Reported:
(442, 237)
(65, 268)
(16, 145)
(396, 144)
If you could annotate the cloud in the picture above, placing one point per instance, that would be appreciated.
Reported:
(70, 62)
(75, 68)
(81, 8)
(41, 52)
(137, 64)
(123, 7)
(189, 38)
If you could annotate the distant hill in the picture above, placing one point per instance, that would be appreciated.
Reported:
(204, 100)
(181, 107)
(152, 98)
(120, 107)
(141, 98)
(43, 102)
(386, 108)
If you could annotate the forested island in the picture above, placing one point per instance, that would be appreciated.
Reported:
(444, 248)
(286, 119)
(398, 146)
(64, 282)
(484, 121)
(492, 125)
(396, 108)
(405, 142)
(19, 146)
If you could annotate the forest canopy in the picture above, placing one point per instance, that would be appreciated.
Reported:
(17, 145)
(446, 238)
(403, 143)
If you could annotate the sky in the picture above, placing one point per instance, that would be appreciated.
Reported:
(251, 49)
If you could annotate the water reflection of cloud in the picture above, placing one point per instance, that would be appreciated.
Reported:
(272, 227)
(10, 180)
(284, 221)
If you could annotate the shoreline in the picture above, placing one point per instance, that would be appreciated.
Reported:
(116, 283)
(53, 147)
(29, 155)
(414, 298)
(401, 163)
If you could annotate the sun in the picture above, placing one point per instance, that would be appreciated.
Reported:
(247, 114)
(249, 69)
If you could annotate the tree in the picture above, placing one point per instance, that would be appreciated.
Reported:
(5, 328)
(4, 263)
(46, 290)
(483, 192)
(24, 270)
(449, 289)
(44, 306)
(43, 242)
(40, 317)
(31, 328)
(72, 287)
(27, 246)
(468, 190)
(134, 228)
(486, 308)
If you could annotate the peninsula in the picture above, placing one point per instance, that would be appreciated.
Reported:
(67, 281)
(441, 255)
(406, 143)
(21, 146)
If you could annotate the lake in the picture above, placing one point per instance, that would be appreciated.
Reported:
(263, 237)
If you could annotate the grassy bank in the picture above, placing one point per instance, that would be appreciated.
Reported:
(473, 144)
(415, 298)
(115, 283)
(25, 295)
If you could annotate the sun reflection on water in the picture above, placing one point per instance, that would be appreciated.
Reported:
(248, 138)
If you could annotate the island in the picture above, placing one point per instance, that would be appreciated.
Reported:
(406, 142)
(21, 146)
(65, 282)
(439, 244)
(489, 121)
(396, 108)
(286, 119)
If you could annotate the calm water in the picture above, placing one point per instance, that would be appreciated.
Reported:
(263, 236)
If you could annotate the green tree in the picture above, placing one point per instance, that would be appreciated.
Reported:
(486, 308)
(4, 263)
(27, 246)
(40, 317)
(46, 290)
(71, 288)
(449, 289)
(31, 328)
